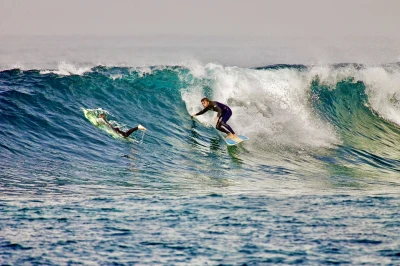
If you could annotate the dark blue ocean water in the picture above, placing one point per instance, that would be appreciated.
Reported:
(317, 183)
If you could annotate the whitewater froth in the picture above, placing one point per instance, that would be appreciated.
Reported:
(271, 106)
(381, 82)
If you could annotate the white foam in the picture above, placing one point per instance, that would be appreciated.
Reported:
(382, 85)
(383, 88)
(116, 76)
(66, 69)
(270, 106)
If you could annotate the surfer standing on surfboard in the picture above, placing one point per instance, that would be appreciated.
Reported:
(103, 120)
(224, 113)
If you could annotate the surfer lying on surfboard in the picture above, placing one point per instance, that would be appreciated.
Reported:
(103, 120)
(224, 113)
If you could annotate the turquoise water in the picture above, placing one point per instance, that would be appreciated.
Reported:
(317, 183)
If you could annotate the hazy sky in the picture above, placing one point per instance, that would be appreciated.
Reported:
(202, 17)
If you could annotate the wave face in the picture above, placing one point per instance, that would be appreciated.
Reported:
(339, 120)
(317, 183)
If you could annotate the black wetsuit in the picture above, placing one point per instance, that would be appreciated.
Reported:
(224, 113)
(127, 133)
(116, 129)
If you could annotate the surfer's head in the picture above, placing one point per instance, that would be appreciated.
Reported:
(102, 115)
(205, 102)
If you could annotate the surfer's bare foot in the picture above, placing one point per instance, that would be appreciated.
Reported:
(234, 137)
(230, 136)
(141, 127)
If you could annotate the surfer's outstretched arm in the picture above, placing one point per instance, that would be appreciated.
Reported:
(201, 112)
(207, 107)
